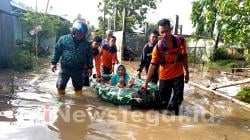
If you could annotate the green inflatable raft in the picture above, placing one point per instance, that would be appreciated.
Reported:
(126, 96)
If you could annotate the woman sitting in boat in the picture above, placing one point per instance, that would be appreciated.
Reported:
(121, 78)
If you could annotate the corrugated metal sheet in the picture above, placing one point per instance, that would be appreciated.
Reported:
(7, 37)
(5, 6)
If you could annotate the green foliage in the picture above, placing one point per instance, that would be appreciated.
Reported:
(235, 21)
(203, 17)
(135, 15)
(191, 56)
(22, 60)
(25, 45)
(244, 94)
(230, 17)
(51, 25)
(238, 56)
(223, 64)
(222, 54)
(219, 54)
(247, 57)
(101, 31)
(63, 27)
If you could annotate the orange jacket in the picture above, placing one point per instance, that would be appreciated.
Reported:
(172, 67)
(97, 60)
(108, 56)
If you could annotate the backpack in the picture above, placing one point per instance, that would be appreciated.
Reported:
(177, 50)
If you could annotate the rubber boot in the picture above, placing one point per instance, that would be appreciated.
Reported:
(78, 93)
(61, 92)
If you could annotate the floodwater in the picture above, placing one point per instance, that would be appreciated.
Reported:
(35, 112)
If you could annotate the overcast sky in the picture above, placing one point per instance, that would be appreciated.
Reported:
(88, 9)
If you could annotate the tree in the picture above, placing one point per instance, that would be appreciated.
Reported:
(51, 25)
(136, 12)
(203, 17)
(63, 27)
(230, 18)
(235, 21)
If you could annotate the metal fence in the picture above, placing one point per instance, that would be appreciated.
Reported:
(7, 37)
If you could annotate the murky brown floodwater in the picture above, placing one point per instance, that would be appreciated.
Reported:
(36, 112)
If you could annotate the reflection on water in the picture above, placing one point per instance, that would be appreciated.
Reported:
(38, 113)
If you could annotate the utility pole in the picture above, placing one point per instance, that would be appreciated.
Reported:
(176, 25)
(146, 28)
(180, 29)
(47, 7)
(123, 32)
(37, 32)
(104, 20)
(115, 18)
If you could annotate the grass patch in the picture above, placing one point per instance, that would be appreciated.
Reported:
(224, 64)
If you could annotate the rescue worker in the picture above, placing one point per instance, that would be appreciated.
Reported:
(147, 55)
(109, 56)
(109, 34)
(95, 49)
(171, 54)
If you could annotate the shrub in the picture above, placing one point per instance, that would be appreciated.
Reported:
(22, 60)
(26, 45)
(219, 54)
(222, 54)
(238, 56)
(244, 94)
(247, 57)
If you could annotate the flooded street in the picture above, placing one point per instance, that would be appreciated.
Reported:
(35, 112)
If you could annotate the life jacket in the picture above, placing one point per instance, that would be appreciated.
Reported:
(177, 50)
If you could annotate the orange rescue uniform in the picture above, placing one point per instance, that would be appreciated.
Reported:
(97, 60)
(108, 56)
(172, 67)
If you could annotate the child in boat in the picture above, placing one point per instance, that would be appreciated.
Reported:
(121, 78)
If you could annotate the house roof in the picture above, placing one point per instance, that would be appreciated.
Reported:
(17, 8)
(18, 5)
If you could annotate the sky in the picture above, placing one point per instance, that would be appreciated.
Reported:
(69, 9)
